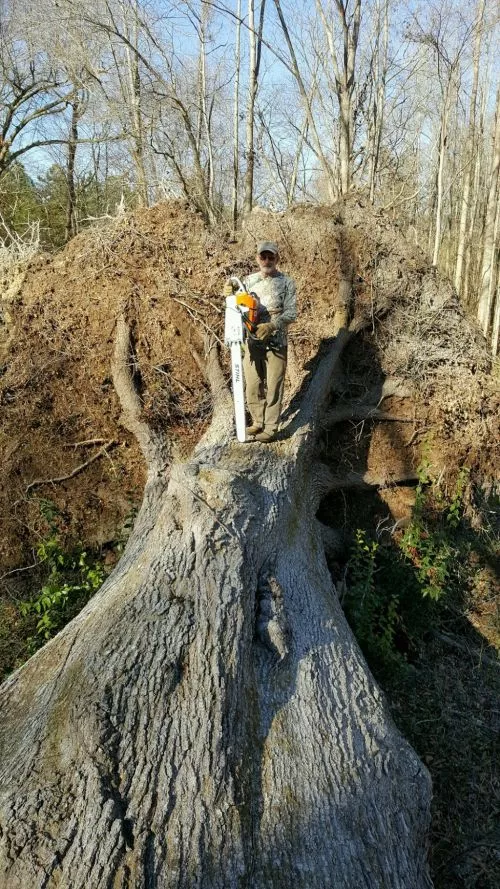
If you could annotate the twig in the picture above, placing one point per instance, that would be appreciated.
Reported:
(62, 478)
(18, 570)
(84, 444)
(196, 317)
(414, 435)
(461, 646)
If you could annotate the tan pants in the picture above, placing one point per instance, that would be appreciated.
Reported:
(264, 370)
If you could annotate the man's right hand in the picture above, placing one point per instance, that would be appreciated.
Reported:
(228, 289)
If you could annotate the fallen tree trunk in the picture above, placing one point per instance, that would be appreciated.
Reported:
(208, 720)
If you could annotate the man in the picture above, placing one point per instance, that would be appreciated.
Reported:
(264, 361)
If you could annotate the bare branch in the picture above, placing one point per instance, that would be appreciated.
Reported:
(62, 478)
(151, 442)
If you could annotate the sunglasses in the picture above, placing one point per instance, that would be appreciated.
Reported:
(267, 255)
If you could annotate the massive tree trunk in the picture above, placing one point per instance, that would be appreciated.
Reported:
(208, 720)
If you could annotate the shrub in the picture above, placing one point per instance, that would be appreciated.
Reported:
(73, 576)
(394, 590)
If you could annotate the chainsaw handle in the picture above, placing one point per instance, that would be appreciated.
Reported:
(235, 280)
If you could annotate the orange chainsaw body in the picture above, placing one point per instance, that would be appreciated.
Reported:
(251, 303)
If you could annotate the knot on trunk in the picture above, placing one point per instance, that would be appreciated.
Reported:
(271, 626)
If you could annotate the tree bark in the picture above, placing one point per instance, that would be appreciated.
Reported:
(208, 720)
(236, 120)
(490, 248)
(255, 39)
(71, 208)
(470, 151)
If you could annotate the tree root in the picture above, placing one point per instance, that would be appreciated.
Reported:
(151, 442)
(62, 478)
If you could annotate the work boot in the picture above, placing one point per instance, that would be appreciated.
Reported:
(264, 436)
(253, 429)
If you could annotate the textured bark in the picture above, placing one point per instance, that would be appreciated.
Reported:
(470, 152)
(490, 236)
(208, 720)
(255, 40)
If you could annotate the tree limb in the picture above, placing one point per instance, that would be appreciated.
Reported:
(62, 478)
(360, 412)
(210, 366)
(151, 442)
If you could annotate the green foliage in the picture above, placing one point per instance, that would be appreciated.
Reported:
(429, 542)
(72, 578)
(19, 200)
(371, 610)
(24, 201)
(394, 590)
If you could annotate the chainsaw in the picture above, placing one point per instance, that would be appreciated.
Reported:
(240, 321)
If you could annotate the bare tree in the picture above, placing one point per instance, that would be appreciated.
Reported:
(236, 119)
(71, 209)
(316, 140)
(255, 43)
(345, 75)
(379, 66)
(447, 55)
(490, 258)
(33, 91)
(470, 151)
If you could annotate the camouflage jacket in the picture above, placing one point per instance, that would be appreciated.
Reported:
(278, 302)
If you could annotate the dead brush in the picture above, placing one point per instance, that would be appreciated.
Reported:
(109, 238)
(16, 252)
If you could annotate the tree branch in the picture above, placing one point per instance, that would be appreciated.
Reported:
(151, 442)
(62, 478)
(211, 368)
(360, 412)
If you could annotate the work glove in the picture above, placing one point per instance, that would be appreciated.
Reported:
(264, 332)
(228, 289)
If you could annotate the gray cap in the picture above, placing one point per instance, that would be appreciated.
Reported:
(267, 247)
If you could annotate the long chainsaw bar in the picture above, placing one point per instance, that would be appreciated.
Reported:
(241, 312)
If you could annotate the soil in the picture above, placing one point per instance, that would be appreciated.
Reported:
(59, 408)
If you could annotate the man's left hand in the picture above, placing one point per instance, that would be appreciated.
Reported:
(264, 332)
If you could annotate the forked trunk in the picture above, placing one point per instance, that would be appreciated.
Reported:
(208, 720)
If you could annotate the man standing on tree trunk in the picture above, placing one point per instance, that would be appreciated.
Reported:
(264, 360)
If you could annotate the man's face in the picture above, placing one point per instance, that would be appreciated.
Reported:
(267, 262)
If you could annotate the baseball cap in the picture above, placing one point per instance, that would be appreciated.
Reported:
(267, 247)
